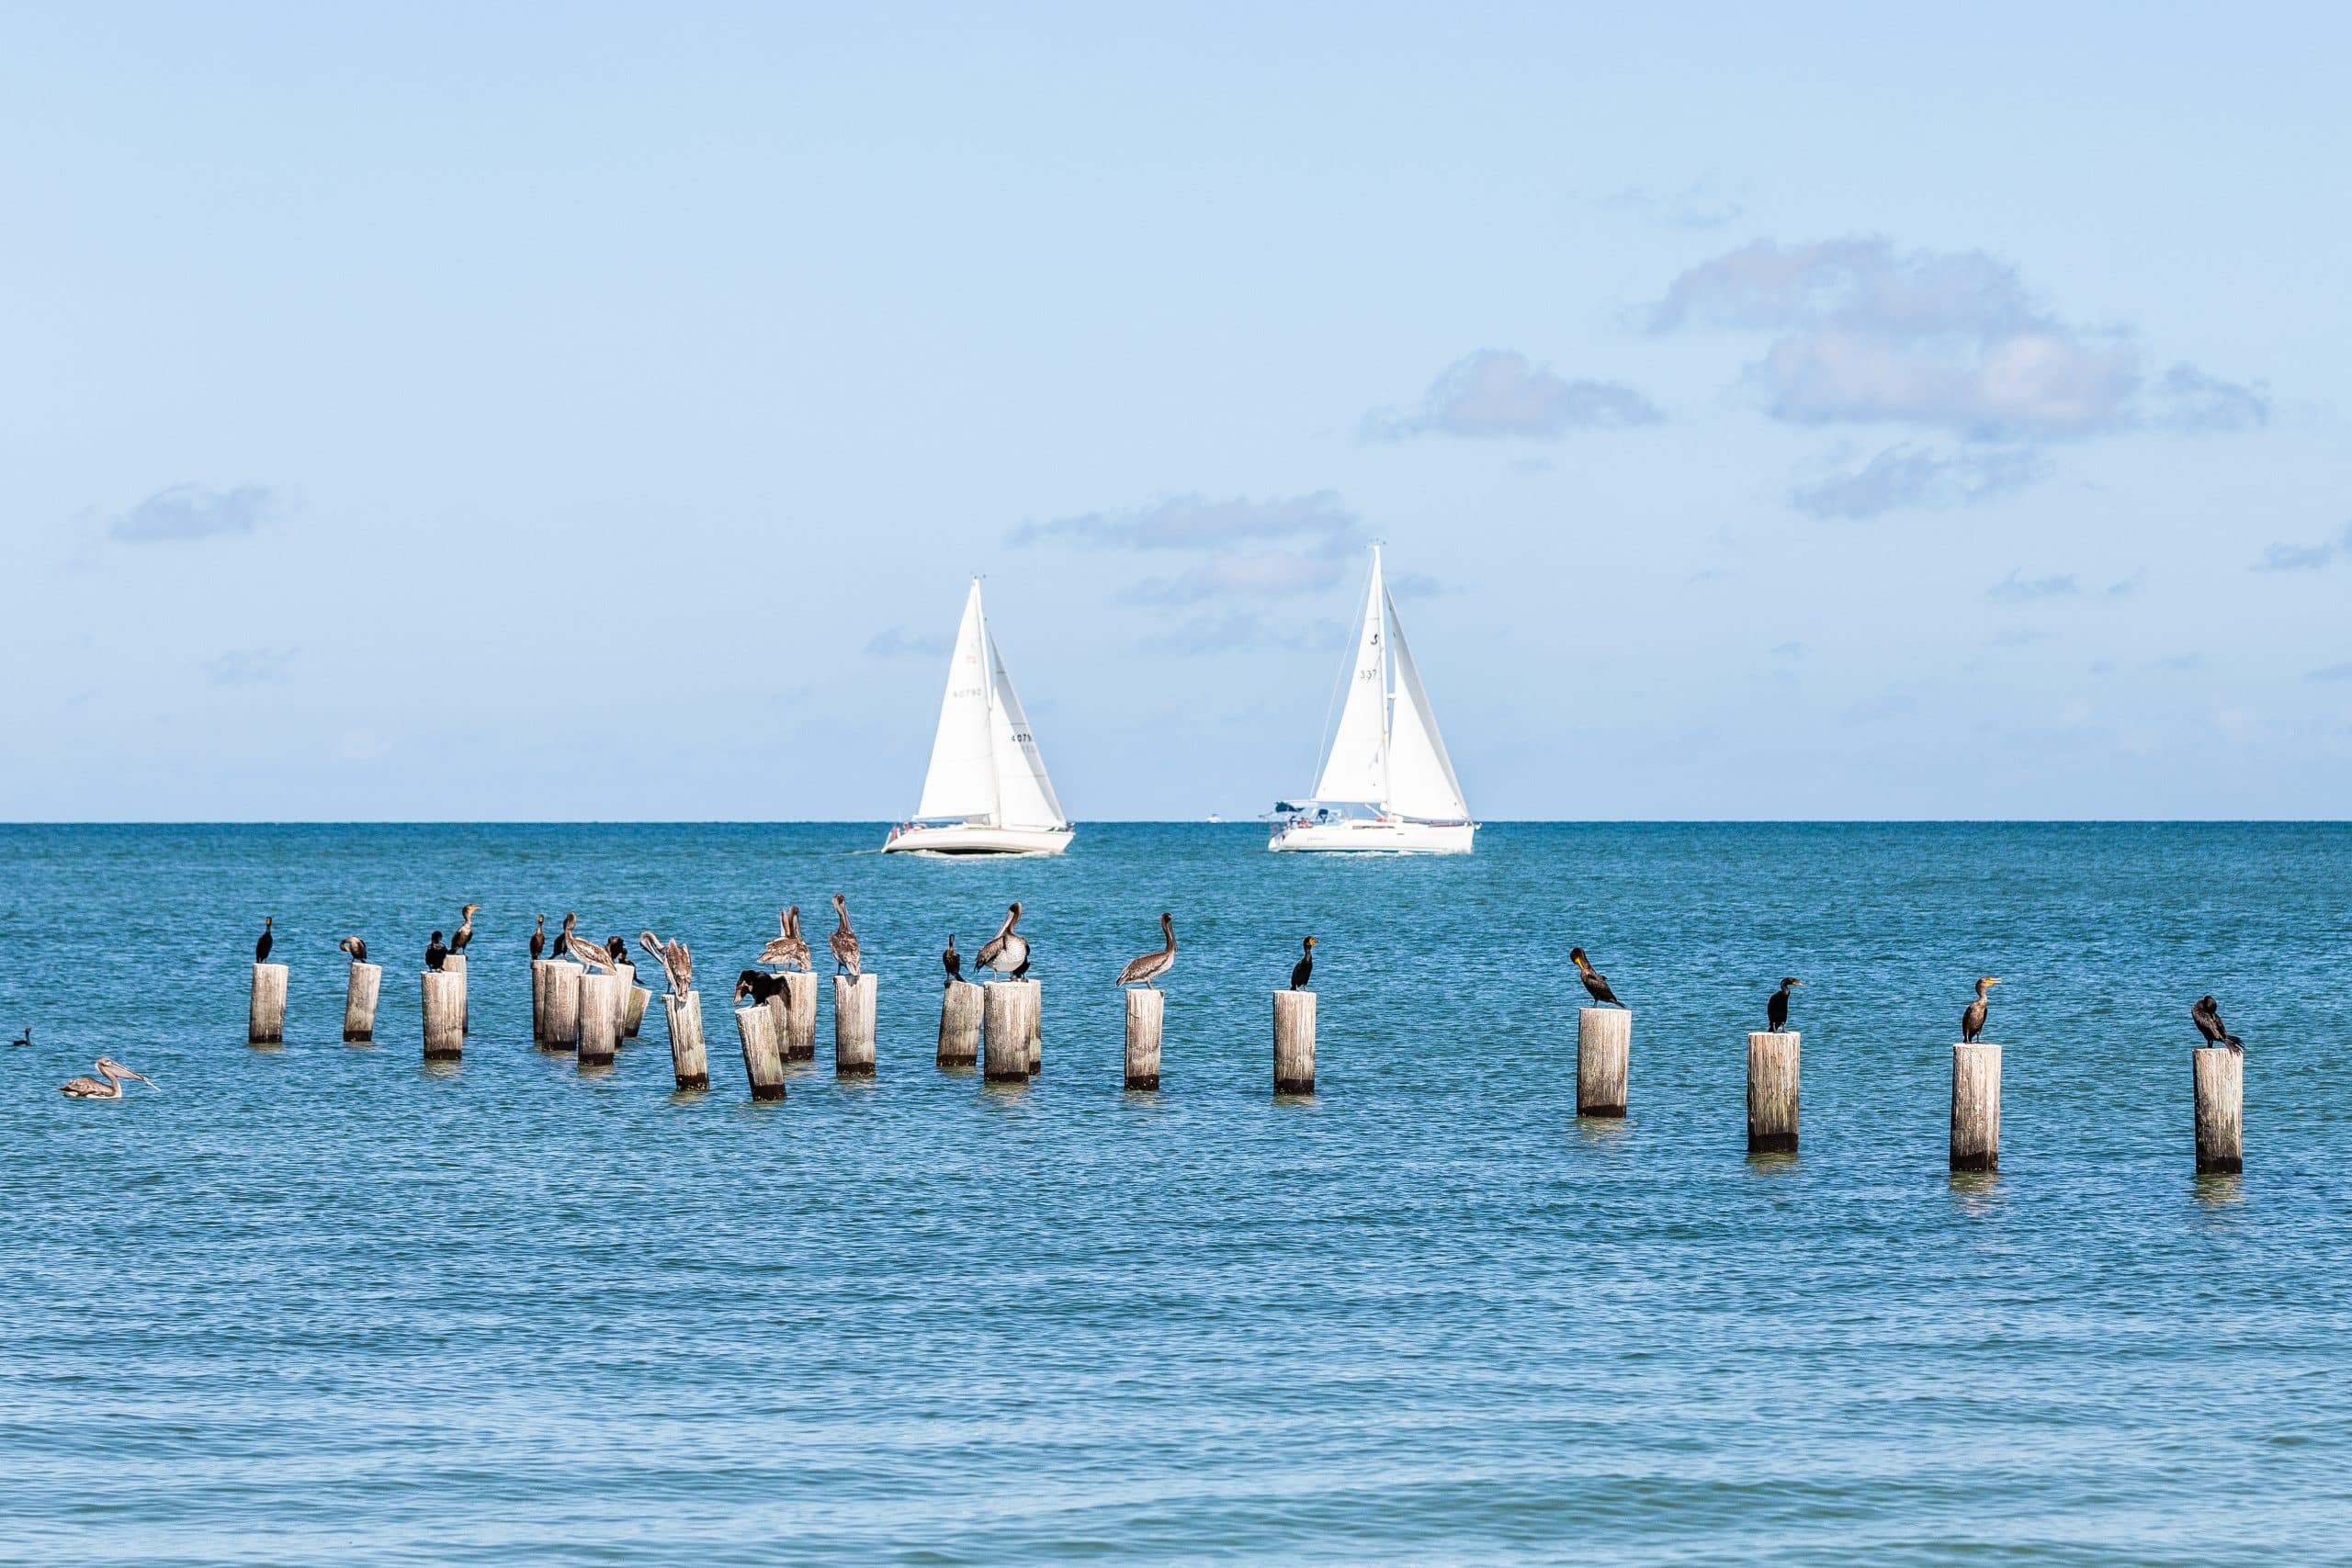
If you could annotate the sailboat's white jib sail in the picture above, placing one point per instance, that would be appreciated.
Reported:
(1385, 755)
(986, 790)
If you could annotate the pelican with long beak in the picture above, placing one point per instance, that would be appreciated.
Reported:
(1144, 971)
(109, 1070)
(1007, 952)
(844, 941)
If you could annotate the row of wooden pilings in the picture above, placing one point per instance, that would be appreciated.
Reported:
(999, 1027)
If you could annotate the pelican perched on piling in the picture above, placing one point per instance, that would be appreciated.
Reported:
(1149, 968)
(465, 931)
(261, 948)
(844, 941)
(1971, 1021)
(1594, 980)
(1007, 952)
(1776, 1010)
(677, 964)
(570, 943)
(1304, 970)
(787, 949)
(107, 1084)
(355, 946)
(2207, 1016)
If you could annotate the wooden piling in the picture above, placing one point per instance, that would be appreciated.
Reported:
(1605, 1059)
(445, 1014)
(1773, 1061)
(1146, 1008)
(1293, 1041)
(686, 1057)
(564, 1006)
(2219, 1076)
(633, 1011)
(799, 1042)
(540, 969)
(1005, 1008)
(628, 972)
(265, 1016)
(1977, 1107)
(456, 964)
(600, 1018)
(853, 1026)
(360, 1003)
(959, 1024)
(1033, 1023)
(763, 1066)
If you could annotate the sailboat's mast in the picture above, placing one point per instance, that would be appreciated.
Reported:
(1387, 673)
(987, 712)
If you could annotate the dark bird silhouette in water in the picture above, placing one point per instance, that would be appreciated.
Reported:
(1971, 1021)
(261, 948)
(435, 952)
(465, 931)
(1007, 952)
(1776, 1012)
(24, 1039)
(953, 960)
(756, 986)
(844, 941)
(1594, 980)
(1148, 969)
(539, 939)
(355, 946)
(1304, 970)
(2207, 1016)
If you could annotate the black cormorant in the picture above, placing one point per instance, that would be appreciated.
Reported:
(539, 939)
(24, 1039)
(261, 948)
(356, 947)
(2207, 1015)
(1776, 1012)
(1594, 980)
(754, 985)
(465, 931)
(1971, 1021)
(435, 952)
(616, 950)
(953, 960)
(1304, 968)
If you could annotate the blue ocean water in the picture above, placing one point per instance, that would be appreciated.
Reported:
(325, 1302)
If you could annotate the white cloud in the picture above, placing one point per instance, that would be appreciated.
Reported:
(193, 512)
(1909, 476)
(1497, 392)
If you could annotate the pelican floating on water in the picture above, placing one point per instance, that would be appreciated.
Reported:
(844, 941)
(261, 948)
(2207, 1016)
(1152, 965)
(1971, 1021)
(1304, 970)
(112, 1073)
(1776, 1012)
(1007, 952)
(1594, 980)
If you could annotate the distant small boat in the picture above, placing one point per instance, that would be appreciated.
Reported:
(1214, 817)
(986, 792)
(1386, 782)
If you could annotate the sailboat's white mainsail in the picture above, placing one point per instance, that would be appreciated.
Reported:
(1386, 749)
(983, 762)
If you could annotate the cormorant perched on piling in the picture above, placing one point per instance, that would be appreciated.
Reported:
(24, 1039)
(1304, 968)
(616, 950)
(355, 946)
(2207, 1015)
(1149, 968)
(465, 931)
(1594, 980)
(757, 986)
(1007, 952)
(1776, 1012)
(953, 960)
(844, 941)
(261, 948)
(435, 952)
(539, 939)
(1972, 1022)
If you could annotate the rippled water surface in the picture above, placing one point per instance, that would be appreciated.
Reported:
(325, 1302)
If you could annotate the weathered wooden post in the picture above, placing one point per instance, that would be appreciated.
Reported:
(799, 1042)
(1032, 1022)
(2220, 1078)
(564, 1006)
(853, 1026)
(444, 1015)
(600, 1018)
(1146, 1008)
(360, 1003)
(1005, 1006)
(959, 1024)
(456, 964)
(627, 972)
(1773, 1060)
(761, 1063)
(1977, 1107)
(1604, 1056)
(687, 1058)
(1293, 1041)
(265, 1016)
(540, 969)
(633, 1008)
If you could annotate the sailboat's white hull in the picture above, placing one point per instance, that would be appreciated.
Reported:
(976, 838)
(1375, 836)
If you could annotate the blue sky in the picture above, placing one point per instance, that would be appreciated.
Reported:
(596, 413)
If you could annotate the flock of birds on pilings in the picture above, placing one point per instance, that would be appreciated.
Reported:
(1006, 955)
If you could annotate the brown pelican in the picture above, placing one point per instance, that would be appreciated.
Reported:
(844, 940)
(539, 939)
(1972, 1022)
(1152, 965)
(570, 943)
(953, 960)
(261, 948)
(355, 946)
(24, 1039)
(1594, 980)
(785, 949)
(1301, 971)
(109, 1070)
(677, 964)
(435, 952)
(2207, 1016)
(465, 931)
(1007, 952)
(1776, 1012)
(752, 986)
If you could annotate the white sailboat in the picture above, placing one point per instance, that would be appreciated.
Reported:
(986, 792)
(1386, 782)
